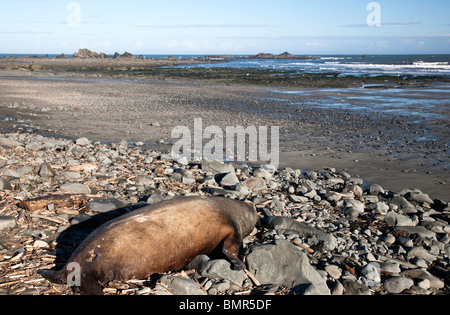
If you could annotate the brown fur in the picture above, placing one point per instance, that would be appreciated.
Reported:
(159, 238)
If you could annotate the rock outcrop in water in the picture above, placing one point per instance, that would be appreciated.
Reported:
(86, 54)
(284, 55)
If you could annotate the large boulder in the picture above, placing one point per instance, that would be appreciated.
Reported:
(283, 263)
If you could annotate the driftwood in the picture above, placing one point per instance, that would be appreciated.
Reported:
(255, 281)
(309, 250)
(59, 200)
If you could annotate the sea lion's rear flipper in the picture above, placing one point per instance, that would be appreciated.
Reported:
(58, 277)
(88, 287)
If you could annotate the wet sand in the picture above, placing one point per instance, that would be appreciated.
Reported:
(384, 136)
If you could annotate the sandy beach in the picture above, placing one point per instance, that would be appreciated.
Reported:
(391, 146)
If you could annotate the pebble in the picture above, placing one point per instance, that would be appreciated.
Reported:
(71, 175)
(83, 142)
(40, 244)
(420, 274)
(404, 205)
(376, 190)
(181, 286)
(9, 143)
(420, 252)
(424, 284)
(216, 167)
(418, 230)
(45, 170)
(5, 184)
(352, 287)
(9, 172)
(418, 196)
(7, 222)
(396, 285)
(229, 179)
(255, 184)
(389, 239)
(106, 205)
(353, 207)
(334, 271)
(76, 188)
(395, 219)
(221, 269)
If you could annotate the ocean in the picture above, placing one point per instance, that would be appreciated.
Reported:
(356, 65)
(392, 65)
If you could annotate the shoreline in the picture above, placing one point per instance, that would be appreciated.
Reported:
(311, 137)
(90, 64)
(364, 175)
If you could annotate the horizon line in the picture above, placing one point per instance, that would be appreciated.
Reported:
(70, 54)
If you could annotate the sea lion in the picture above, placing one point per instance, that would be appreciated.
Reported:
(157, 239)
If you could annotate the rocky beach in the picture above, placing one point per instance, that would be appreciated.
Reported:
(359, 204)
(319, 232)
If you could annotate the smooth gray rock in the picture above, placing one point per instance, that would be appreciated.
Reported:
(7, 222)
(334, 271)
(389, 239)
(9, 172)
(337, 288)
(71, 175)
(378, 208)
(229, 179)
(418, 230)
(419, 197)
(83, 142)
(155, 198)
(5, 184)
(198, 263)
(221, 269)
(34, 146)
(255, 183)
(354, 204)
(76, 188)
(217, 167)
(376, 189)
(217, 269)
(46, 171)
(222, 286)
(372, 274)
(396, 285)
(420, 252)
(403, 205)
(283, 263)
(105, 205)
(9, 143)
(181, 286)
(433, 226)
(395, 219)
(390, 267)
(302, 229)
(420, 274)
(352, 287)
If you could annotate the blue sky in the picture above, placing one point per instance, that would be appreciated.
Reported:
(225, 27)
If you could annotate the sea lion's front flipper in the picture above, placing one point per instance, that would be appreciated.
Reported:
(231, 246)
